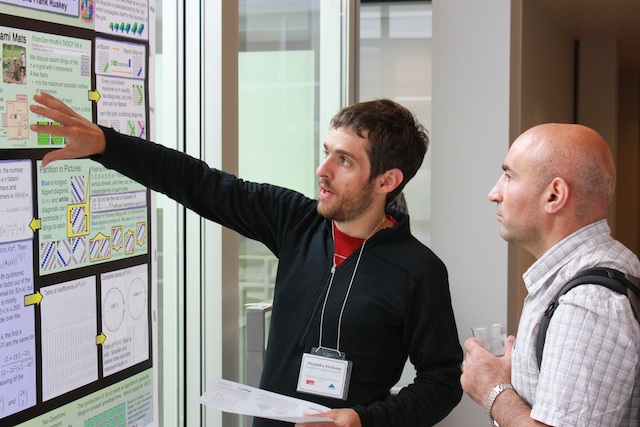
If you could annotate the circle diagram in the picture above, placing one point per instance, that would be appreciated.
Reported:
(113, 309)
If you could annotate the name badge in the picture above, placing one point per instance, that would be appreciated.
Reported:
(325, 373)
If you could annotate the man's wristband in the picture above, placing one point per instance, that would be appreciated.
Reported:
(492, 398)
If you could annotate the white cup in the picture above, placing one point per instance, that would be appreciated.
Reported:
(493, 337)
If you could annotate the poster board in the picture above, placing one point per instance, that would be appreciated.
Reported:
(77, 282)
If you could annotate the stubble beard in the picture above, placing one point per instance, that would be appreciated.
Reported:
(350, 209)
(525, 235)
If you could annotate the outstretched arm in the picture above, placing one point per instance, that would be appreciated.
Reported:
(84, 138)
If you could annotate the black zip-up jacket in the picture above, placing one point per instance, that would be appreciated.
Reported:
(399, 304)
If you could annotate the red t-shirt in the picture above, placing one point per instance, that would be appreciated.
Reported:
(345, 245)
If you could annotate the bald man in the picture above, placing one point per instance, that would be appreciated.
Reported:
(552, 201)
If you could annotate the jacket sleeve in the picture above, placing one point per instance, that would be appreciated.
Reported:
(257, 211)
(434, 350)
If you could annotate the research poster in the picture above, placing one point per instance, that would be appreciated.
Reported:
(76, 288)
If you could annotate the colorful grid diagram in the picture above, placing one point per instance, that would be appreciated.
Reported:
(116, 238)
(99, 248)
(141, 233)
(129, 243)
(127, 28)
(78, 215)
(136, 129)
(48, 252)
(77, 189)
(138, 64)
(45, 139)
(103, 60)
(137, 94)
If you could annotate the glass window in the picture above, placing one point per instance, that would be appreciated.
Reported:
(283, 63)
(169, 225)
(288, 91)
(278, 113)
(395, 63)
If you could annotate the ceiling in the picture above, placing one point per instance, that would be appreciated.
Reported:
(597, 19)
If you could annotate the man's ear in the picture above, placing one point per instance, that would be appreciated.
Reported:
(389, 181)
(557, 195)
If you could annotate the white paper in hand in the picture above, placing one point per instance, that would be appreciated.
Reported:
(229, 396)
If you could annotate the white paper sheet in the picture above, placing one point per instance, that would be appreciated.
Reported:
(229, 396)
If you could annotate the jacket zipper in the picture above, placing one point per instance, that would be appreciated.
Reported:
(318, 303)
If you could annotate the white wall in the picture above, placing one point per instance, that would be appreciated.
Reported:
(470, 137)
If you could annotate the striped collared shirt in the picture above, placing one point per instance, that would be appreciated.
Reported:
(590, 369)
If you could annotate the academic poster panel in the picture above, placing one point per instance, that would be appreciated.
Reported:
(16, 209)
(68, 316)
(128, 403)
(122, 18)
(121, 71)
(88, 215)
(33, 62)
(76, 13)
(76, 286)
(17, 329)
(74, 353)
(17, 320)
(125, 320)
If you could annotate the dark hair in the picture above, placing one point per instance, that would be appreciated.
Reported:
(396, 138)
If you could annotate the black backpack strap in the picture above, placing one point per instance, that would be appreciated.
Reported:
(611, 278)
